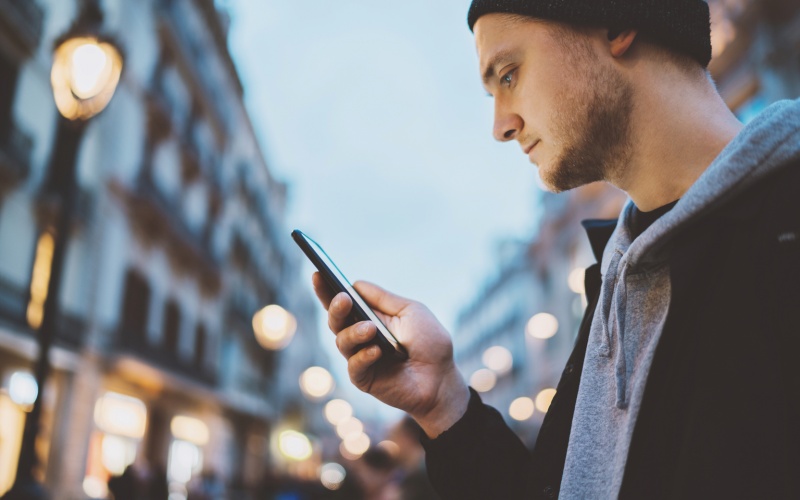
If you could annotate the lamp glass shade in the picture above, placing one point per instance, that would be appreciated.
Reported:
(84, 76)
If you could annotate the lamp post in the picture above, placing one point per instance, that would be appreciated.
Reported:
(86, 70)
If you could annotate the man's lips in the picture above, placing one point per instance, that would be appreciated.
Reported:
(528, 149)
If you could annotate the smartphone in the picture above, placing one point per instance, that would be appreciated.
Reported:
(338, 283)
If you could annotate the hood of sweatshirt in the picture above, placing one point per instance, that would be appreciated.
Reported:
(768, 143)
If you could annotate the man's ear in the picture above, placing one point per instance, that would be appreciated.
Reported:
(620, 41)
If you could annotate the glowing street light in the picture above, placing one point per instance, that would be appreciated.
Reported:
(84, 76)
(274, 327)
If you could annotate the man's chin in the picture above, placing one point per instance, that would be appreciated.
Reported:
(549, 180)
(546, 186)
(558, 180)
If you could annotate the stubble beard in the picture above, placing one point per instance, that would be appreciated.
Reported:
(593, 129)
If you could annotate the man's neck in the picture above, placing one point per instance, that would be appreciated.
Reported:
(678, 127)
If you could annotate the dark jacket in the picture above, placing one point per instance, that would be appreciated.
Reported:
(720, 416)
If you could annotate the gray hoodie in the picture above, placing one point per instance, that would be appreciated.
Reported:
(634, 300)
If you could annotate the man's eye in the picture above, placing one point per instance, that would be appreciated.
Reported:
(507, 78)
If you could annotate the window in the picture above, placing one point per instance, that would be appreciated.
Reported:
(172, 324)
(200, 346)
(8, 84)
(135, 307)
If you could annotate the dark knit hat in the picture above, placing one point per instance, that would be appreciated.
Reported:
(681, 25)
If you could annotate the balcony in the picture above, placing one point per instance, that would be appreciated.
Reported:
(193, 49)
(22, 21)
(162, 219)
(15, 156)
(70, 330)
(132, 343)
(13, 303)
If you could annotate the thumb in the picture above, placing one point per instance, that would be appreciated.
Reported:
(381, 299)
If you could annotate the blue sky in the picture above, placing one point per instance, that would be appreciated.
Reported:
(374, 115)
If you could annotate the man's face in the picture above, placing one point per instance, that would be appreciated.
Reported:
(567, 106)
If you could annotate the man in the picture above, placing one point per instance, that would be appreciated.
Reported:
(684, 381)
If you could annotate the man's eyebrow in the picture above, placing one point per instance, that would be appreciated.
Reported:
(496, 60)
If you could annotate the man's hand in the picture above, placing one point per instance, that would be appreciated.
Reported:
(427, 385)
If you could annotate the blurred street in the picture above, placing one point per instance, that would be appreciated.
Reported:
(148, 278)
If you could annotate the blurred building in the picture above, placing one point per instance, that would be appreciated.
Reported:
(756, 52)
(178, 241)
(756, 61)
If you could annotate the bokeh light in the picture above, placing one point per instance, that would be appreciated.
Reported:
(338, 411)
(542, 326)
(350, 427)
(294, 445)
(316, 382)
(544, 398)
(23, 389)
(274, 327)
(332, 475)
(357, 444)
(189, 429)
(498, 359)
(483, 380)
(121, 415)
(521, 408)
(576, 280)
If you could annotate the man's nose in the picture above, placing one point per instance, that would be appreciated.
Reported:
(506, 125)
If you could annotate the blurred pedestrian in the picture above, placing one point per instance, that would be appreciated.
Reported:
(413, 482)
(208, 486)
(126, 486)
(157, 486)
(693, 303)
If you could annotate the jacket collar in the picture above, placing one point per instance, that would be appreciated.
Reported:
(599, 232)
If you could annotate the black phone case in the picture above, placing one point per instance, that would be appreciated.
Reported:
(356, 313)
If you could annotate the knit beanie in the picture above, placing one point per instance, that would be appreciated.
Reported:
(680, 25)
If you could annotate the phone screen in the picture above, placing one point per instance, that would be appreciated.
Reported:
(337, 280)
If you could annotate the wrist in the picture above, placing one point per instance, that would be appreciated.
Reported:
(451, 405)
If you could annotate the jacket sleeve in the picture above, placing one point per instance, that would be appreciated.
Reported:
(479, 457)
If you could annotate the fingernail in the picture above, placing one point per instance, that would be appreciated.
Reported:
(363, 328)
(374, 350)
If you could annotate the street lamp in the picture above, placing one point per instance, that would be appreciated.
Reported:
(85, 74)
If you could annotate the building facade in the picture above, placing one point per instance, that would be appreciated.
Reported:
(178, 240)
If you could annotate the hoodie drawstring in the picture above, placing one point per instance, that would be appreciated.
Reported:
(614, 283)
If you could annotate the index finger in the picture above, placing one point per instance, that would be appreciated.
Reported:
(380, 299)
